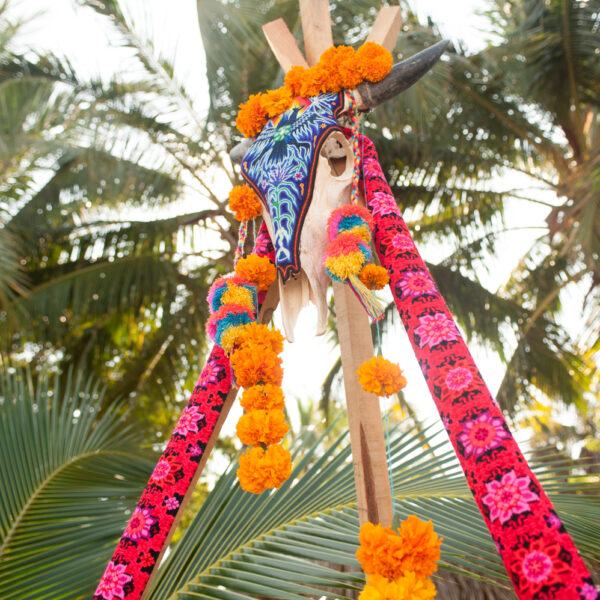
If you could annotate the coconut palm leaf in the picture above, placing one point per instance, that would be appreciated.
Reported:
(68, 476)
(301, 539)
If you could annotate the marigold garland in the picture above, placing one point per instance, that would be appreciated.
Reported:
(259, 335)
(262, 397)
(257, 269)
(262, 427)
(374, 277)
(380, 376)
(244, 203)
(339, 67)
(398, 564)
(263, 469)
(253, 365)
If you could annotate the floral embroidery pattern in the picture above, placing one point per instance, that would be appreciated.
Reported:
(509, 496)
(481, 434)
(416, 283)
(435, 329)
(139, 524)
(503, 486)
(112, 582)
(458, 379)
(136, 554)
(189, 420)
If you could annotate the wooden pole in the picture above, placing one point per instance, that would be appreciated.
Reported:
(364, 415)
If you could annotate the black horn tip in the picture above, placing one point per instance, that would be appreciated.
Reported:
(402, 75)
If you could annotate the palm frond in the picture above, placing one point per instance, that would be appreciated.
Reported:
(68, 477)
(301, 539)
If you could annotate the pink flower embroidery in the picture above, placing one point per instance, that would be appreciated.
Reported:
(509, 496)
(210, 373)
(458, 379)
(139, 524)
(402, 243)
(434, 329)
(383, 204)
(553, 520)
(172, 503)
(112, 582)
(195, 451)
(537, 566)
(161, 470)
(188, 420)
(589, 592)
(416, 283)
(481, 434)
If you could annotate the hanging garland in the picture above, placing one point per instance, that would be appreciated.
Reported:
(398, 564)
(339, 67)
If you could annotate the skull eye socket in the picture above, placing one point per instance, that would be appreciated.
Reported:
(338, 153)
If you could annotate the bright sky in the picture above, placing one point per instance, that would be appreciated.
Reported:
(77, 32)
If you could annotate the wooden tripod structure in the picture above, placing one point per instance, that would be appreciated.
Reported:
(535, 535)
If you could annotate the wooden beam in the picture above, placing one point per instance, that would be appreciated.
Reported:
(387, 27)
(364, 415)
(283, 45)
(316, 27)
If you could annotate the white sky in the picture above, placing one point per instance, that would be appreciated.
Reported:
(81, 35)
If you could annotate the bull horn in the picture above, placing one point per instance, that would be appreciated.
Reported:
(402, 76)
(238, 152)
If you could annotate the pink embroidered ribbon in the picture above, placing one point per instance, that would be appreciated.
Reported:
(142, 542)
(538, 553)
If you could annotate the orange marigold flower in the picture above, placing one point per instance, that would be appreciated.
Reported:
(262, 397)
(252, 116)
(295, 78)
(256, 364)
(339, 62)
(260, 470)
(373, 61)
(377, 550)
(421, 545)
(380, 376)
(244, 203)
(262, 427)
(258, 270)
(374, 277)
(409, 587)
(257, 334)
(317, 81)
(277, 101)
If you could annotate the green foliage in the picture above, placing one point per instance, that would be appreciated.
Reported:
(69, 475)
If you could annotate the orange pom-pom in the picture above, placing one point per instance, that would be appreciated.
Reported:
(262, 397)
(244, 203)
(256, 364)
(374, 277)
(257, 334)
(258, 270)
(379, 376)
(262, 427)
(373, 61)
(260, 470)
(252, 116)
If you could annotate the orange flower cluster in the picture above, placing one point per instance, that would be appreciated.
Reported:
(259, 270)
(257, 367)
(244, 203)
(380, 376)
(374, 277)
(339, 67)
(399, 563)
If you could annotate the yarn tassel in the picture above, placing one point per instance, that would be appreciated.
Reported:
(367, 298)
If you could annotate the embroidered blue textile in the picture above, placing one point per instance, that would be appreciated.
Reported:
(281, 167)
